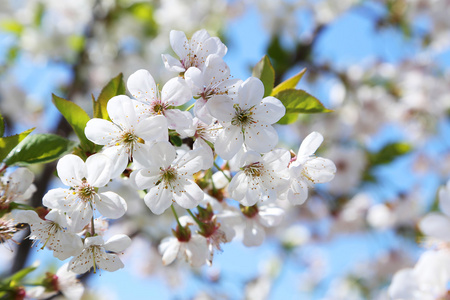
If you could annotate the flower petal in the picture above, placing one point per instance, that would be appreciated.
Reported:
(229, 142)
(221, 108)
(71, 170)
(142, 85)
(99, 168)
(270, 111)
(250, 93)
(101, 132)
(111, 205)
(189, 194)
(176, 92)
(310, 144)
(261, 137)
(117, 243)
(158, 199)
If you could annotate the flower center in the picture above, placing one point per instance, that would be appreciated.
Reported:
(169, 175)
(243, 117)
(85, 191)
(254, 170)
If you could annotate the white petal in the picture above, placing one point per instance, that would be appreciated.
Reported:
(101, 132)
(270, 216)
(82, 263)
(121, 111)
(197, 250)
(71, 170)
(119, 158)
(99, 168)
(298, 193)
(111, 205)
(159, 199)
(436, 225)
(152, 129)
(270, 110)
(190, 163)
(310, 144)
(79, 216)
(142, 85)
(221, 108)
(117, 243)
(59, 198)
(172, 64)
(261, 137)
(254, 234)
(277, 159)
(20, 180)
(229, 142)
(163, 154)
(108, 262)
(250, 93)
(146, 178)
(238, 186)
(320, 169)
(188, 195)
(179, 43)
(176, 92)
(194, 78)
(169, 248)
(177, 119)
(444, 200)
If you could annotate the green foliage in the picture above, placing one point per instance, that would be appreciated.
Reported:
(388, 153)
(175, 140)
(11, 26)
(144, 12)
(264, 71)
(115, 86)
(76, 117)
(290, 83)
(2, 125)
(21, 274)
(76, 42)
(40, 148)
(297, 102)
(9, 142)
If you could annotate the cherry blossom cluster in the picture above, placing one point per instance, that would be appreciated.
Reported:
(231, 124)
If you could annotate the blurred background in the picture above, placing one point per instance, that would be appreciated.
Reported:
(382, 66)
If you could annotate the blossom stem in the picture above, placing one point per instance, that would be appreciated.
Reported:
(190, 107)
(220, 169)
(176, 216)
(92, 228)
(200, 224)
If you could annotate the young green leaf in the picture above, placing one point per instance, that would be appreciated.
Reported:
(40, 148)
(299, 101)
(290, 83)
(2, 125)
(265, 72)
(76, 117)
(288, 119)
(19, 275)
(115, 86)
(8, 143)
(388, 153)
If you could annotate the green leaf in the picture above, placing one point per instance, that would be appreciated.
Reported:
(290, 83)
(76, 117)
(9, 142)
(115, 86)
(2, 125)
(11, 26)
(288, 119)
(388, 153)
(299, 101)
(19, 275)
(176, 140)
(264, 71)
(40, 148)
